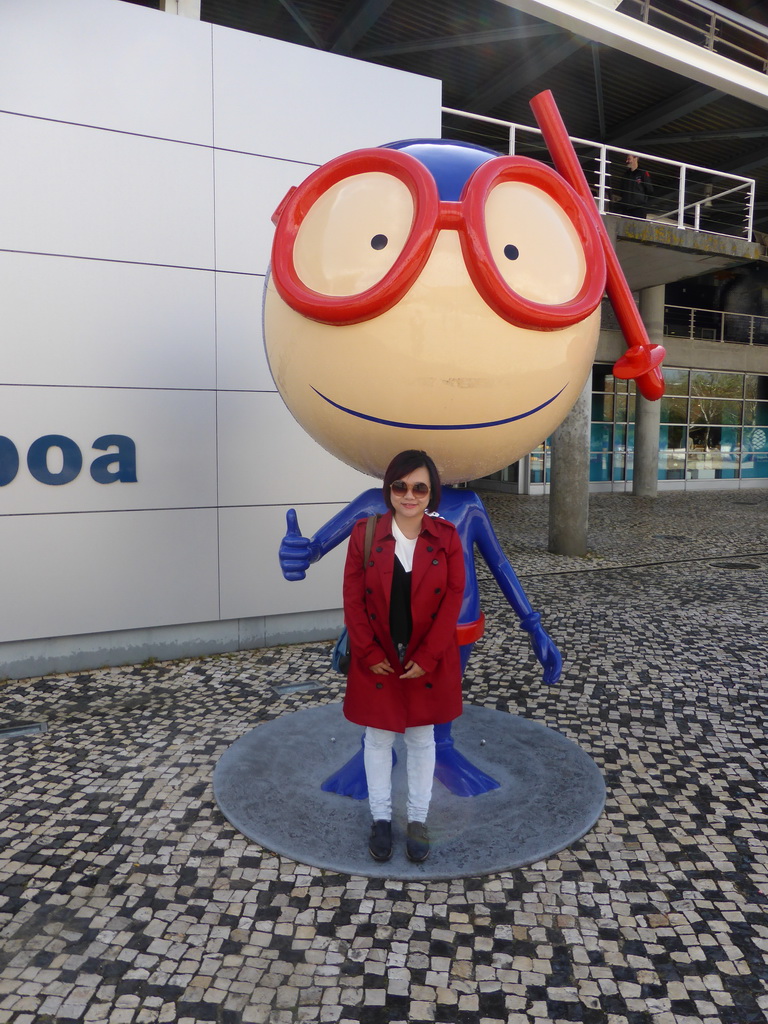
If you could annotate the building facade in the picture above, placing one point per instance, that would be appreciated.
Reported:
(146, 459)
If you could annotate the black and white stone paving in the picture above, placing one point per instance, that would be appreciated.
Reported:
(126, 896)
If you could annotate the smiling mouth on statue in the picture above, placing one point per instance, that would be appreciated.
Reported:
(438, 426)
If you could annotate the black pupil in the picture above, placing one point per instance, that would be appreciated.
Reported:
(379, 241)
(511, 252)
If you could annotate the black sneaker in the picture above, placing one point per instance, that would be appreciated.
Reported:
(417, 843)
(380, 843)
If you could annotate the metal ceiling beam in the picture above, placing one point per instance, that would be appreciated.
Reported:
(535, 64)
(355, 21)
(677, 139)
(303, 24)
(670, 110)
(488, 38)
(743, 165)
(650, 44)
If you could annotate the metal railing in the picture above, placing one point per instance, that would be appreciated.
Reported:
(707, 24)
(684, 195)
(715, 325)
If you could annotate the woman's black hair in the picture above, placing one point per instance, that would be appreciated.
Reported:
(403, 464)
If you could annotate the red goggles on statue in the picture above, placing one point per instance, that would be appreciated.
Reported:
(430, 215)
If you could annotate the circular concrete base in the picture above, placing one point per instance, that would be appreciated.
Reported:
(267, 784)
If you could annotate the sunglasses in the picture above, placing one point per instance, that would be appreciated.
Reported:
(401, 488)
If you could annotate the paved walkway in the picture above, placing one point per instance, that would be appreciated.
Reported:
(127, 897)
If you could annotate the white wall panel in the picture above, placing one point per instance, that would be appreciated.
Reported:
(251, 580)
(331, 103)
(241, 359)
(265, 458)
(132, 263)
(92, 573)
(100, 62)
(92, 322)
(248, 191)
(87, 192)
(174, 433)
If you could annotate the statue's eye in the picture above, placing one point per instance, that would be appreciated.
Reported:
(340, 248)
(548, 264)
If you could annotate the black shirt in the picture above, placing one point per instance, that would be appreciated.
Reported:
(400, 622)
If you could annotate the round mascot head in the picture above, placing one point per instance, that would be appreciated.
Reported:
(432, 295)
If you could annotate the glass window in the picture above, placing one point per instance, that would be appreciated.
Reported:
(613, 409)
(602, 437)
(754, 464)
(706, 384)
(755, 439)
(714, 410)
(730, 441)
(672, 436)
(755, 414)
(602, 408)
(702, 437)
(710, 465)
(540, 463)
(672, 465)
(714, 426)
(673, 441)
(600, 376)
(676, 382)
(600, 465)
(674, 409)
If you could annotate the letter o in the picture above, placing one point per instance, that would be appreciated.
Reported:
(9, 461)
(37, 459)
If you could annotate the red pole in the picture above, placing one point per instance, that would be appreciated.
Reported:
(642, 360)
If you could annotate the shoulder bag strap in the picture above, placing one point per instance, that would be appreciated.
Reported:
(370, 527)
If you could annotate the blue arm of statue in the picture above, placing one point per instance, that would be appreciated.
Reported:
(297, 553)
(477, 530)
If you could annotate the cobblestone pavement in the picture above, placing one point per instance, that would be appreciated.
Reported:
(127, 897)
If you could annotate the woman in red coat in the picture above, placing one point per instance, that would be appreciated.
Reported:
(401, 608)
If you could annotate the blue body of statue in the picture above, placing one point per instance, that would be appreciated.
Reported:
(467, 512)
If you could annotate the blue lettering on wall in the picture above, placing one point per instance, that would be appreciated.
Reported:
(118, 466)
(37, 459)
(124, 459)
(9, 461)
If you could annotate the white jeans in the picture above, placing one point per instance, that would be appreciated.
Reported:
(420, 747)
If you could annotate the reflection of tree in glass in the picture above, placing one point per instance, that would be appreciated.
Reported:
(674, 410)
(676, 382)
(751, 386)
(707, 407)
(716, 385)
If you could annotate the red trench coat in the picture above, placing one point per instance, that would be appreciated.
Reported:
(437, 590)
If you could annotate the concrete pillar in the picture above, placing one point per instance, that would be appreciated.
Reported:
(569, 479)
(645, 479)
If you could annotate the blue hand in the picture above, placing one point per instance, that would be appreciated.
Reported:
(295, 551)
(543, 647)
